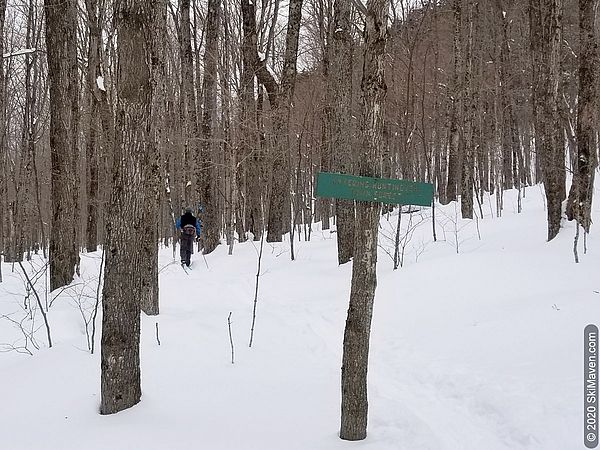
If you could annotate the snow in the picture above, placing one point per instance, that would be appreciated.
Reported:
(479, 349)
(100, 83)
(23, 51)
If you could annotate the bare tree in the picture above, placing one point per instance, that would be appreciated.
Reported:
(546, 41)
(23, 205)
(136, 22)
(341, 117)
(3, 205)
(455, 106)
(152, 162)
(248, 147)
(92, 141)
(579, 205)
(280, 98)
(101, 127)
(364, 278)
(61, 40)
(207, 170)
(470, 106)
(189, 117)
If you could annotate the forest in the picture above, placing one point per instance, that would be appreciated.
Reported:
(117, 115)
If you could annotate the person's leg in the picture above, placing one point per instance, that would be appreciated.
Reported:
(182, 247)
(190, 248)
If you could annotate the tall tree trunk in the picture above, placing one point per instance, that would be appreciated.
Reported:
(152, 161)
(455, 107)
(280, 98)
(341, 127)
(324, 205)
(248, 143)
(188, 102)
(364, 280)
(207, 173)
(92, 142)
(227, 146)
(546, 41)
(40, 236)
(439, 171)
(61, 45)
(3, 174)
(510, 137)
(470, 110)
(579, 205)
(92, 150)
(120, 359)
(23, 204)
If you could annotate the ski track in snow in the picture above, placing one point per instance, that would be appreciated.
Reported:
(479, 350)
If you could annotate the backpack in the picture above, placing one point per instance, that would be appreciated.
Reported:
(189, 230)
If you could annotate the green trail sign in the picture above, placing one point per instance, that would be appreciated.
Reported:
(385, 190)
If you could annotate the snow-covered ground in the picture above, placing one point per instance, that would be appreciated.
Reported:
(479, 350)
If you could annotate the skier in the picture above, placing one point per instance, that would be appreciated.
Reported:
(189, 226)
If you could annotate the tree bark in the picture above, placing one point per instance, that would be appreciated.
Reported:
(546, 41)
(509, 133)
(3, 174)
(324, 205)
(364, 280)
(24, 203)
(280, 97)
(455, 107)
(123, 287)
(249, 143)
(231, 190)
(152, 161)
(341, 128)
(92, 143)
(207, 173)
(100, 138)
(61, 42)
(579, 204)
(470, 108)
(189, 117)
